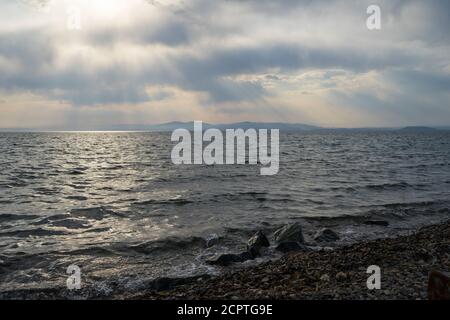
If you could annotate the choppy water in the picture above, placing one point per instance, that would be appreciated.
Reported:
(115, 205)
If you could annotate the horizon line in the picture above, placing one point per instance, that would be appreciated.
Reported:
(131, 129)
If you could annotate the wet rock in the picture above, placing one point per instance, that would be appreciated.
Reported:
(381, 223)
(256, 243)
(163, 283)
(326, 235)
(290, 246)
(228, 259)
(244, 256)
(212, 240)
(224, 260)
(337, 274)
(289, 233)
(439, 286)
(254, 246)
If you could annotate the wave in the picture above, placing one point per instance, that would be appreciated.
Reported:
(176, 201)
(169, 244)
(391, 211)
(377, 187)
(396, 205)
(250, 195)
(39, 232)
(95, 251)
(14, 217)
(144, 248)
(96, 213)
(79, 198)
(389, 186)
(63, 220)
(77, 171)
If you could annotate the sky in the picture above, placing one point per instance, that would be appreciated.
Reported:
(87, 64)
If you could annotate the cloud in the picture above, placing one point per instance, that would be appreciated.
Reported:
(36, 4)
(235, 55)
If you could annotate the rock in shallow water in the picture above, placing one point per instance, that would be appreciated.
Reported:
(289, 233)
(326, 235)
(291, 246)
(381, 223)
(164, 283)
(256, 243)
(228, 259)
(212, 240)
(254, 246)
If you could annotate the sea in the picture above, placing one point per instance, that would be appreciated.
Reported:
(114, 205)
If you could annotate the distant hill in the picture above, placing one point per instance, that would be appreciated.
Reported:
(269, 125)
(419, 129)
(284, 127)
(170, 126)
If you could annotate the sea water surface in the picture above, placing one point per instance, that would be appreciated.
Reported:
(113, 203)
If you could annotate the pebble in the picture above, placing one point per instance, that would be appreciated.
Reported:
(341, 276)
(325, 278)
(305, 275)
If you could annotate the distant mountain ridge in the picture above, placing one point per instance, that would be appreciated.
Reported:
(189, 125)
(283, 126)
(170, 126)
(419, 129)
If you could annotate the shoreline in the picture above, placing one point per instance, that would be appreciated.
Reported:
(339, 274)
(330, 273)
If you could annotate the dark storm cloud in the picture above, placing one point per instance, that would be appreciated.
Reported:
(205, 73)
(291, 56)
(209, 73)
(31, 49)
